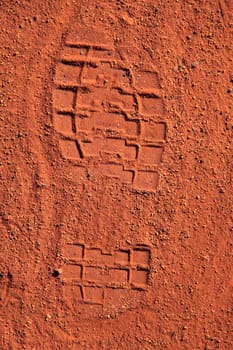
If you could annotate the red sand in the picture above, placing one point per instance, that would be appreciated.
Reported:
(116, 173)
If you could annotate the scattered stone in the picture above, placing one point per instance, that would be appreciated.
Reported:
(194, 64)
(56, 272)
(48, 317)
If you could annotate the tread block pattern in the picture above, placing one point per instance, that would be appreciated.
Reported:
(112, 122)
(107, 114)
(145, 79)
(90, 275)
(70, 149)
(63, 123)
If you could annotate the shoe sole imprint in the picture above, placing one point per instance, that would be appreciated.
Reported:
(110, 124)
(95, 278)
(108, 117)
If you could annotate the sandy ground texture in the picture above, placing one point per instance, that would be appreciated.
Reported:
(116, 174)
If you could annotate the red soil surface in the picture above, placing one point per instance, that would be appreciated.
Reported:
(116, 174)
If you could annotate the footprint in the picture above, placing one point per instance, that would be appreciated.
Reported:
(109, 119)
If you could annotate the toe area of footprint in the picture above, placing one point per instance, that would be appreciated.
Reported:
(109, 117)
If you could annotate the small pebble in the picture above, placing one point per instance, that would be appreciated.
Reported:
(47, 317)
(194, 64)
